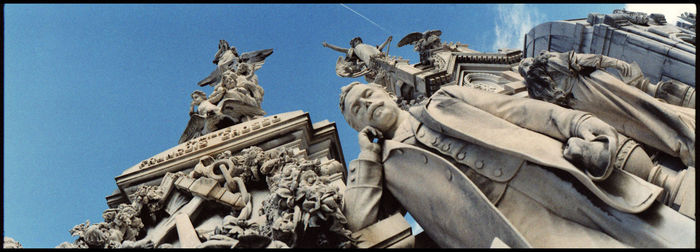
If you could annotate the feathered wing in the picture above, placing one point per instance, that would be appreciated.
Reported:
(193, 129)
(213, 78)
(410, 38)
(433, 32)
(255, 58)
(344, 68)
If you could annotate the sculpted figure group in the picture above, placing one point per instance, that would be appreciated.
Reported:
(236, 98)
(302, 208)
(566, 167)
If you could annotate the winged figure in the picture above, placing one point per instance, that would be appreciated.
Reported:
(206, 118)
(227, 58)
(358, 58)
(422, 43)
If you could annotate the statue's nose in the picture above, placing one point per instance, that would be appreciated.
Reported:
(367, 102)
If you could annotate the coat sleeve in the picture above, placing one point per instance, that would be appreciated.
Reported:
(543, 117)
(364, 191)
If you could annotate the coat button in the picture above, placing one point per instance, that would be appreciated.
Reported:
(461, 155)
(446, 147)
(425, 159)
(435, 141)
(497, 173)
(479, 164)
(352, 179)
(421, 132)
(352, 169)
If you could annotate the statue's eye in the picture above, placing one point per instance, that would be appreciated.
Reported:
(355, 109)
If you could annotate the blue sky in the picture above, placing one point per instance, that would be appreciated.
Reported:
(90, 90)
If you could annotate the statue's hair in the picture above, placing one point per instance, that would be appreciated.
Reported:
(199, 92)
(541, 86)
(344, 92)
(355, 40)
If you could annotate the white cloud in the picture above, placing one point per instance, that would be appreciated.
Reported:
(670, 11)
(512, 23)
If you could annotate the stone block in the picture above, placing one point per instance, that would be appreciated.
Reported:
(232, 199)
(202, 186)
(514, 87)
(184, 182)
(512, 76)
(385, 233)
(185, 232)
(217, 192)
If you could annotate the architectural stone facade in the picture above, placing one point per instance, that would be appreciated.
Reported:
(662, 50)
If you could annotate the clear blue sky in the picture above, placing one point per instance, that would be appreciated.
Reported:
(90, 90)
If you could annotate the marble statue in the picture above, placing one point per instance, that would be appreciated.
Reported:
(423, 43)
(496, 172)
(358, 58)
(227, 58)
(237, 95)
(577, 81)
(205, 117)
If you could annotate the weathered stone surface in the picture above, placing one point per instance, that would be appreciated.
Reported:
(654, 45)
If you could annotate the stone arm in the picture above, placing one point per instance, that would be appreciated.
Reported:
(599, 61)
(364, 190)
(192, 110)
(388, 40)
(218, 93)
(543, 117)
(336, 48)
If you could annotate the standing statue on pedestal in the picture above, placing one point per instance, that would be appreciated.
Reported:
(494, 168)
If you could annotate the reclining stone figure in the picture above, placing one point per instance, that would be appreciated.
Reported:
(471, 166)
(578, 81)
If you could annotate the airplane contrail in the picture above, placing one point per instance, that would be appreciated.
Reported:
(365, 18)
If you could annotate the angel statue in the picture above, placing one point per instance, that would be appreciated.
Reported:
(205, 117)
(423, 43)
(358, 58)
(239, 95)
(227, 58)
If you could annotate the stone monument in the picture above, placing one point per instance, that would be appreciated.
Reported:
(237, 178)
(541, 174)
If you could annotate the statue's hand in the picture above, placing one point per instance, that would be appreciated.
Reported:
(592, 127)
(365, 138)
(325, 44)
(624, 68)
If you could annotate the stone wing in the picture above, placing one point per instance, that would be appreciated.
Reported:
(193, 129)
(213, 78)
(410, 38)
(255, 58)
(433, 32)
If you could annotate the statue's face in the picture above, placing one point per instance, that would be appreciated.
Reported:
(197, 98)
(367, 105)
(525, 66)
